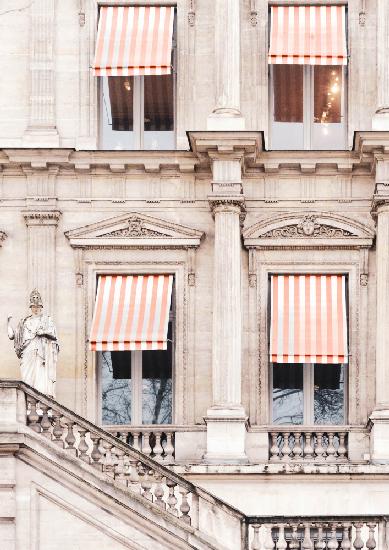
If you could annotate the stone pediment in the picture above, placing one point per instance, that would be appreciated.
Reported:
(316, 229)
(134, 230)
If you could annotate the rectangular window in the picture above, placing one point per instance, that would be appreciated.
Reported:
(308, 349)
(137, 94)
(308, 394)
(307, 57)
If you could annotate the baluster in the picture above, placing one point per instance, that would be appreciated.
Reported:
(159, 492)
(45, 421)
(286, 450)
(294, 542)
(269, 542)
(346, 543)
(136, 441)
(319, 449)
(83, 445)
(169, 447)
(320, 543)
(119, 467)
(342, 450)
(358, 542)
(331, 451)
(70, 437)
(58, 429)
(134, 483)
(158, 449)
(308, 448)
(307, 543)
(274, 449)
(96, 454)
(108, 462)
(123, 436)
(33, 416)
(333, 542)
(297, 450)
(146, 481)
(171, 499)
(256, 544)
(146, 448)
(185, 506)
(281, 543)
(371, 542)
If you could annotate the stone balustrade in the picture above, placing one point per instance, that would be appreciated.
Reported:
(112, 456)
(316, 445)
(319, 533)
(157, 442)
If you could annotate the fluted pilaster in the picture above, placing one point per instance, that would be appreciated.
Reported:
(381, 117)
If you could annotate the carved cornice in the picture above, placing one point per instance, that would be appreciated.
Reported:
(41, 217)
(313, 230)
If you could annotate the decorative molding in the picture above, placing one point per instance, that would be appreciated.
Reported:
(41, 217)
(3, 236)
(313, 230)
(134, 230)
(254, 12)
(363, 279)
(192, 12)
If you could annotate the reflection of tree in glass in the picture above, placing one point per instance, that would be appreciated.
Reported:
(157, 400)
(328, 406)
(116, 395)
(289, 410)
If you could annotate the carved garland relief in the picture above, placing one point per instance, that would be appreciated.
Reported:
(307, 227)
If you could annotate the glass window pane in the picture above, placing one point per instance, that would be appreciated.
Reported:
(288, 93)
(327, 93)
(288, 398)
(116, 387)
(121, 90)
(158, 106)
(329, 394)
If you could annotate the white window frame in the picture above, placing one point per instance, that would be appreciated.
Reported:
(308, 106)
(136, 378)
(138, 93)
(308, 395)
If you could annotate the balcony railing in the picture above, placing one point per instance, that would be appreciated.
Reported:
(322, 533)
(320, 444)
(155, 441)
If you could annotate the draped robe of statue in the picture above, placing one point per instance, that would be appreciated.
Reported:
(37, 348)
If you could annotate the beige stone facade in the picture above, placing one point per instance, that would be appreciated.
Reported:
(220, 213)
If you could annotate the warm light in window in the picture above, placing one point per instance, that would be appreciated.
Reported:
(127, 85)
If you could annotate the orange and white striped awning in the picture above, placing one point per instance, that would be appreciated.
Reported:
(131, 312)
(134, 40)
(308, 35)
(308, 319)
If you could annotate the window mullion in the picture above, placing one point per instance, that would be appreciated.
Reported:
(136, 366)
(308, 394)
(308, 105)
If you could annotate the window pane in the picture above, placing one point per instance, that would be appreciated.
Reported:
(159, 112)
(329, 394)
(288, 93)
(121, 90)
(327, 94)
(116, 387)
(288, 398)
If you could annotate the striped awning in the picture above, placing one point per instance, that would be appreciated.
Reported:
(308, 321)
(308, 35)
(134, 40)
(131, 312)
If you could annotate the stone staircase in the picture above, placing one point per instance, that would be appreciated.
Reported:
(52, 439)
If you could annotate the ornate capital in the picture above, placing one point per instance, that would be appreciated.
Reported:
(41, 217)
(228, 204)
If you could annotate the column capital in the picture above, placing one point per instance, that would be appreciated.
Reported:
(233, 204)
(41, 217)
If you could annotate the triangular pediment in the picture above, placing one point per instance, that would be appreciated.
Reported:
(134, 229)
(308, 229)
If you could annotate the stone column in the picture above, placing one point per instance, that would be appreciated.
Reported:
(380, 416)
(226, 419)
(42, 131)
(41, 254)
(226, 114)
(381, 116)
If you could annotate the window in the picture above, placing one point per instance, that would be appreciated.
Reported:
(307, 77)
(137, 96)
(308, 394)
(133, 333)
(136, 386)
(308, 349)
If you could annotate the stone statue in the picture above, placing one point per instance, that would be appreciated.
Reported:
(36, 345)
